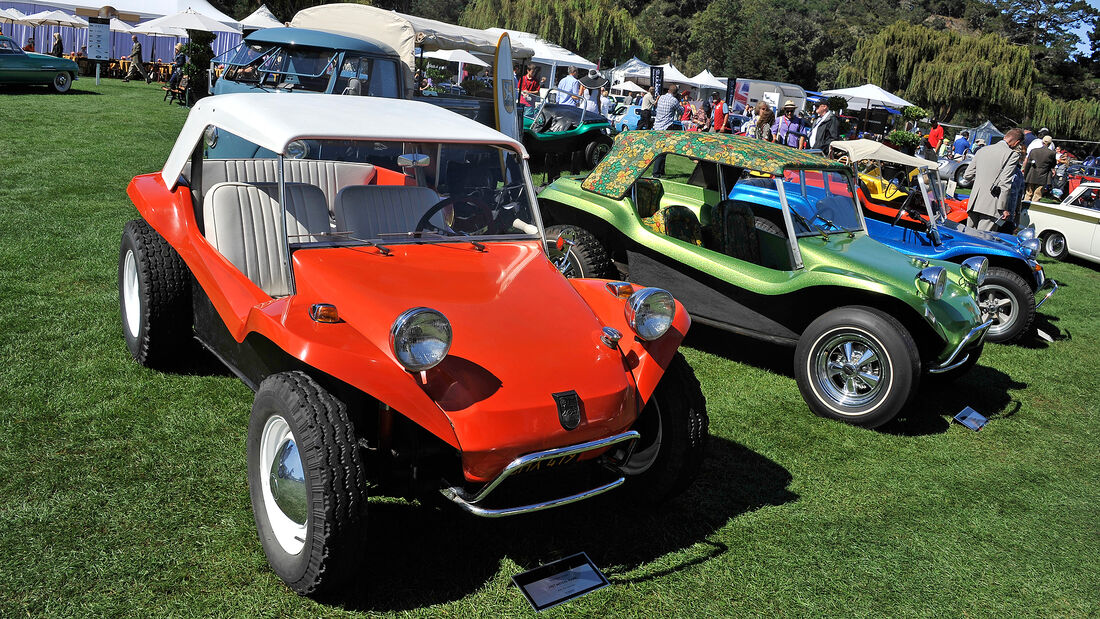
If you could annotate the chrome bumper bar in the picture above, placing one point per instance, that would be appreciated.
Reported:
(1053, 288)
(976, 334)
(469, 503)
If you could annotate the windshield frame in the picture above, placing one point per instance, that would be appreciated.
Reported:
(853, 195)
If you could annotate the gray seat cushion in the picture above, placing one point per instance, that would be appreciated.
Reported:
(365, 211)
(242, 222)
(330, 176)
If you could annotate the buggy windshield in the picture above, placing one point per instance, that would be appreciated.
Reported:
(821, 201)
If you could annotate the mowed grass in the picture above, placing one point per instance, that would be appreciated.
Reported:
(123, 491)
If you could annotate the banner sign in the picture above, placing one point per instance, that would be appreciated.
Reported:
(99, 38)
(657, 80)
(731, 86)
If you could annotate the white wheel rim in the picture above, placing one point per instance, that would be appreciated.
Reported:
(290, 535)
(61, 81)
(850, 368)
(131, 299)
(997, 303)
(1055, 244)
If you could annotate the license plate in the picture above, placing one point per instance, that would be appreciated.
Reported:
(548, 464)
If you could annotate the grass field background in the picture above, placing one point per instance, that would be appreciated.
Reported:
(123, 491)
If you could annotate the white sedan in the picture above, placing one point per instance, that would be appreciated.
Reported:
(1072, 227)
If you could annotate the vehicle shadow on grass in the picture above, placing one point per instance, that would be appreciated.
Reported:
(40, 90)
(983, 388)
(1043, 332)
(773, 358)
(422, 556)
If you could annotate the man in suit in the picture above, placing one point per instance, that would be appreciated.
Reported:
(136, 63)
(991, 173)
(1038, 167)
(826, 129)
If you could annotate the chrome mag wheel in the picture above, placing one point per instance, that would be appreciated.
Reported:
(849, 369)
(1000, 305)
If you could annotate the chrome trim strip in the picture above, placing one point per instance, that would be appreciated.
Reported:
(1053, 288)
(463, 499)
(951, 364)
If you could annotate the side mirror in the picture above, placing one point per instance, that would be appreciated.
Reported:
(414, 160)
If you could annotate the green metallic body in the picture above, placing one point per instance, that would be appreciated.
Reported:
(854, 263)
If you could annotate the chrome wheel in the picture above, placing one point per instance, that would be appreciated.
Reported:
(286, 503)
(1054, 245)
(131, 296)
(645, 452)
(1000, 305)
(851, 369)
(61, 82)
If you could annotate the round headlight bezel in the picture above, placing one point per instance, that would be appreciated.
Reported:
(403, 327)
(646, 303)
(974, 270)
(1026, 235)
(1030, 248)
(931, 282)
(297, 149)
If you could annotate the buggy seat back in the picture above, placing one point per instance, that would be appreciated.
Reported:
(365, 211)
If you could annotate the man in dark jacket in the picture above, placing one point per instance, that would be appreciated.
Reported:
(1037, 170)
(826, 129)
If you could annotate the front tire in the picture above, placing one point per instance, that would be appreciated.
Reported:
(1007, 299)
(61, 82)
(858, 365)
(596, 151)
(1054, 246)
(673, 426)
(585, 258)
(154, 293)
(307, 483)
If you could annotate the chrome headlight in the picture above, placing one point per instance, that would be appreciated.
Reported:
(974, 269)
(931, 281)
(649, 312)
(1030, 248)
(420, 338)
(1026, 235)
(297, 149)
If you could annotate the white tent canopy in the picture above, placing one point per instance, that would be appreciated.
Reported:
(261, 18)
(627, 86)
(633, 68)
(456, 55)
(706, 79)
(673, 76)
(187, 20)
(545, 52)
(158, 30)
(53, 18)
(867, 96)
(143, 9)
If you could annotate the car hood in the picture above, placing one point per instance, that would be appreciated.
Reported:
(953, 231)
(521, 334)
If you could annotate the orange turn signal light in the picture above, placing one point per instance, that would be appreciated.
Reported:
(622, 290)
(324, 312)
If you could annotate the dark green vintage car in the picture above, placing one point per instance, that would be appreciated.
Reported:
(20, 67)
(768, 241)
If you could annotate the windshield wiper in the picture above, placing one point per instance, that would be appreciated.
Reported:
(421, 233)
(385, 251)
(808, 225)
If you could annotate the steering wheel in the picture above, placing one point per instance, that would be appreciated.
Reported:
(470, 199)
(887, 186)
(538, 123)
(906, 207)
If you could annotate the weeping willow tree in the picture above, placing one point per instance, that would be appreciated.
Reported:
(948, 72)
(592, 28)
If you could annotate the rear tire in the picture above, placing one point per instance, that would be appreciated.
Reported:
(858, 365)
(1054, 245)
(596, 151)
(307, 484)
(154, 292)
(585, 258)
(673, 426)
(1007, 299)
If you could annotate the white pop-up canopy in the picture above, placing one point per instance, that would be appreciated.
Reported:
(261, 18)
(456, 55)
(627, 86)
(633, 68)
(867, 96)
(544, 51)
(187, 20)
(142, 9)
(706, 79)
(673, 76)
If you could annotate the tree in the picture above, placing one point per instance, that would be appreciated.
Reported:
(592, 28)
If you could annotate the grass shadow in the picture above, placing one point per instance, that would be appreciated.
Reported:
(1043, 331)
(767, 356)
(425, 556)
(983, 388)
(41, 90)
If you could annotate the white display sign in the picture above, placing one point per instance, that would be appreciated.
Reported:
(99, 38)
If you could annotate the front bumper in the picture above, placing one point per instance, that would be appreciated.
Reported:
(972, 339)
(1050, 283)
(468, 501)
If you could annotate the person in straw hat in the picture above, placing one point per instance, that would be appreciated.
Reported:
(790, 129)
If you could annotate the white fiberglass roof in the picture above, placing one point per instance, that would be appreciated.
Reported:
(272, 120)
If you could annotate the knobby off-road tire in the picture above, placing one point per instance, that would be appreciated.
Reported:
(768, 225)
(673, 426)
(1007, 299)
(585, 258)
(154, 292)
(330, 493)
(858, 365)
(1055, 246)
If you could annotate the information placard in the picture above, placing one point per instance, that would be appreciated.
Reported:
(99, 38)
(560, 581)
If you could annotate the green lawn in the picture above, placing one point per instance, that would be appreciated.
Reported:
(123, 490)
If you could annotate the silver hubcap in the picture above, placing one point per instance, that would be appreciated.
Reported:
(286, 502)
(999, 305)
(851, 369)
(131, 299)
(1055, 244)
(649, 445)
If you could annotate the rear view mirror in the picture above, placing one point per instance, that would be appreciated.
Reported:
(414, 160)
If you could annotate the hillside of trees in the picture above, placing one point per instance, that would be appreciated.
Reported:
(1016, 62)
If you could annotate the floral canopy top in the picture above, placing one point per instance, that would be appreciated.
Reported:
(634, 151)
